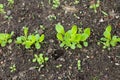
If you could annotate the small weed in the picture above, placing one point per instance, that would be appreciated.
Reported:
(42, 27)
(95, 6)
(109, 40)
(59, 66)
(2, 11)
(104, 13)
(5, 38)
(56, 4)
(12, 68)
(10, 2)
(72, 38)
(52, 17)
(40, 59)
(79, 64)
(76, 1)
(29, 40)
(95, 78)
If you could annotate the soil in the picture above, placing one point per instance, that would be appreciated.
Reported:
(96, 63)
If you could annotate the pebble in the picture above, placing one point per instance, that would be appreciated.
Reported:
(117, 64)
(9, 12)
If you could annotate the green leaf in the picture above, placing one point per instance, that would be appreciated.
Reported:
(46, 58)
(11, 33)
(86, 34)
(85, 44)
(3, 44)
(59, 36)
(72, 46)
(84, 37)
(34, 60)
(32, 38)
(91, 6)
(1, 6)
(79, 64)
(78, 38)
(10, 40)
(74, 29)
(59, 28)
(37, 45)
(107, 43)
(27, 44)
(87, 31)
(62, 44)
(114, 41)
(79, 45)
(25, 31)
(107, 32)
(41, 38)
(37, 36)
(103, 39)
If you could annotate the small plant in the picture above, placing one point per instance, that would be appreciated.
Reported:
(109, 40)
(12, 68)
(79, 64)
(40, 59)
(56, 4)
(105, 14)
(2, 11)
(52, 17)
(73, 37)
(29, 40)
(59, 66)
(5, 38)
(95, 6)
(10, 2)
(76, 1)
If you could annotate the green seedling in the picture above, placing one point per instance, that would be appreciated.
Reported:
(56, 4)
(40, 59)
(10, 2)
(79, 64)
(52, 17)
(5, 38)
(76, 1)
(109, 40)
(72, 38)
(2, 11)
(59, 66)
(95, 6)
(42, 27)
(104, 13)
(12, 68)
(29, 40)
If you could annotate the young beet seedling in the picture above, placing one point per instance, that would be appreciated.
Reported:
(29, 40)
(2, 11)
(95, 6)
(72, 38)
(109, 40)
(5, 38)
(40, 59)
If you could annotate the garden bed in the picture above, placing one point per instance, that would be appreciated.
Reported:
(96, 63)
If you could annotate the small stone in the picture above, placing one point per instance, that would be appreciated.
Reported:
(62, 59)
(9, 12)
(117, 64)
(51, 40)
(49, 50)
(101, 20)
(14, 78)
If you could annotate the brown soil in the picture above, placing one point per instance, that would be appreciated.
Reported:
(97, 64)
